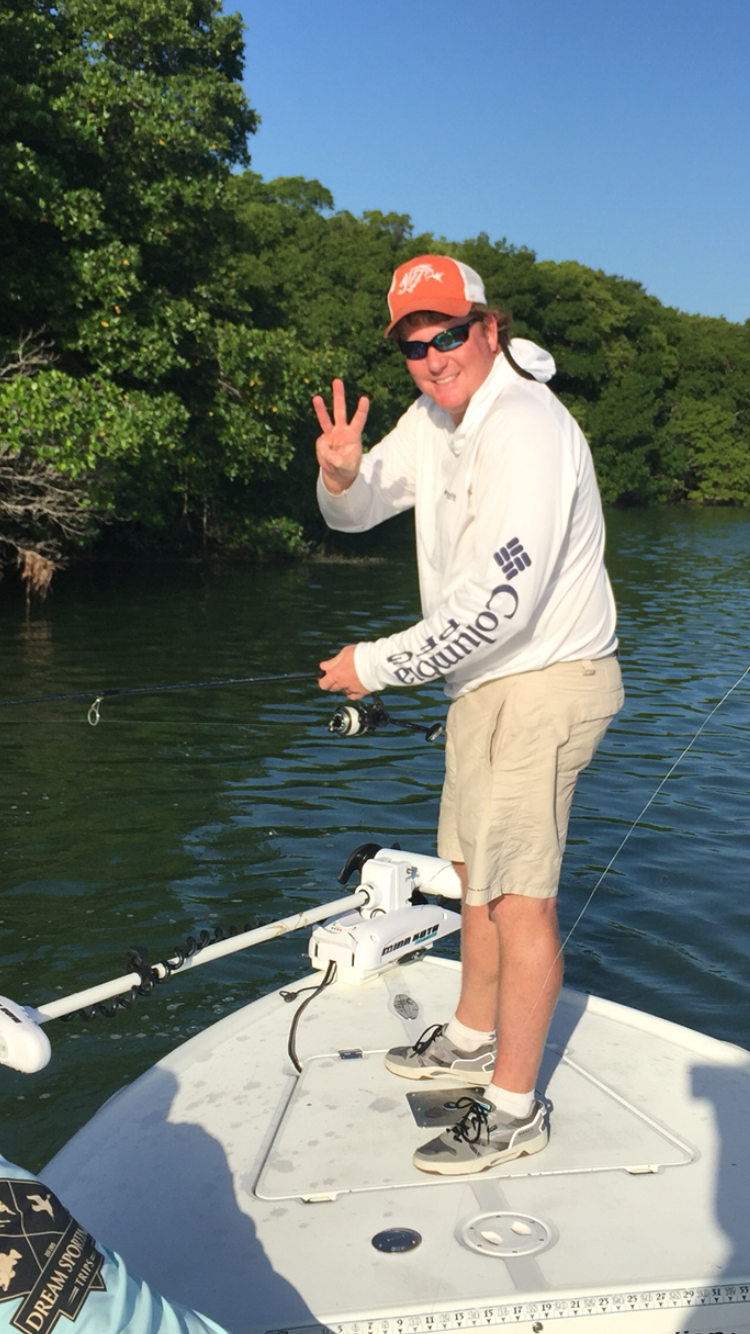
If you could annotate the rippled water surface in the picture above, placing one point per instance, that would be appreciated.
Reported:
(184, 810)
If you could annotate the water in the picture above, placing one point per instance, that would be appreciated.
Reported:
(184, 810)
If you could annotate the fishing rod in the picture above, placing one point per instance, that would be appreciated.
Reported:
(353, 719)
(158, 690)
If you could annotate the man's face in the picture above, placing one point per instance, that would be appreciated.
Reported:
(450, 378)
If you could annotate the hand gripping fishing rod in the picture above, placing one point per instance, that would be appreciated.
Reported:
(352, 719)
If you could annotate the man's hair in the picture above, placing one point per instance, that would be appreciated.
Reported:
(421, 319)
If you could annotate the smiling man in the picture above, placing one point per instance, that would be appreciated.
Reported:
(518, 617)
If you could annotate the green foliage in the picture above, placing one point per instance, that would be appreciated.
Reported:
(120, 124)
(327, 277)
(268, 378)
(625, 366)
(711, 457)
(119, 445)
(189, 309)
(79, 425)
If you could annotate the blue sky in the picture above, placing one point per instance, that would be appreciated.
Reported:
(616, 134)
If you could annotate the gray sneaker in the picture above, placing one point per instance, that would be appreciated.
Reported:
(483, 1138)
(434, 1055)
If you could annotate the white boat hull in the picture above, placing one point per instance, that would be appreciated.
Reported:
(253, 1194)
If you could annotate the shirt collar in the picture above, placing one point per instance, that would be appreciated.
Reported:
(500, 375)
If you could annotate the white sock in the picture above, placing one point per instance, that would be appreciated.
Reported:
(512, 1104)
(467, 1039)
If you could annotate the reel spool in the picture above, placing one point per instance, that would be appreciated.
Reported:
(356, 718)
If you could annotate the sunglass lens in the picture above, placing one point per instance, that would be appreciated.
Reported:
(455, 337)
(450, 338)
(412, 349)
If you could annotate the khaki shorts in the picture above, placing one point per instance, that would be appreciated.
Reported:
(514, 750)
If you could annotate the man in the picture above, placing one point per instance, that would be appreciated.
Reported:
(518, 615)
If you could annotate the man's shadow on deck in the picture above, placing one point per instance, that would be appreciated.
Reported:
(568, 1014)
(162, 1195)
(728, 1090)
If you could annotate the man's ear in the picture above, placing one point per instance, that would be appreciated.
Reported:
(489, 324)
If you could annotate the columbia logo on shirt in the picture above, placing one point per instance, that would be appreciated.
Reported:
(512, 558)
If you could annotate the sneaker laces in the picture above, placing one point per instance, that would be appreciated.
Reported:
(474, 1121)
(427, 1038)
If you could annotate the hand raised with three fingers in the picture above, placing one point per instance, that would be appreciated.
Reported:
(339, 447)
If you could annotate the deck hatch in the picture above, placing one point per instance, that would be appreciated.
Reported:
(506, 1235)
(350, 1126)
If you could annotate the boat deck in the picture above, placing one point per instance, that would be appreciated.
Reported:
(253, 1194)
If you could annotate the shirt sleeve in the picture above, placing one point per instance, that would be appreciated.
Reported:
(524, 487)
(384, 486)
(50, 1266)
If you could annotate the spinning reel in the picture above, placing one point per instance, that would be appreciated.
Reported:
(356, 718)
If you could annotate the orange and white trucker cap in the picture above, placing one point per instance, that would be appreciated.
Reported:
(433, 282)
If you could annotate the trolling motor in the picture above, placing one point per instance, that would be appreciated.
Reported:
(360, 719)
(397, 919)
(386, 918)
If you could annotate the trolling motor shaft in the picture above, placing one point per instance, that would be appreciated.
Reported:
(356, 718)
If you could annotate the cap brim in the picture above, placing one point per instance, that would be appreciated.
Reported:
(446, 307)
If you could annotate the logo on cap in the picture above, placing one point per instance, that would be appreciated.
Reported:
(416, 275)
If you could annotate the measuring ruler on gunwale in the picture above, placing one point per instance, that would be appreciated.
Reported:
(537, 1313)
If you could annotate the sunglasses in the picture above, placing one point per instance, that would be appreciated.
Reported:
(445, 341)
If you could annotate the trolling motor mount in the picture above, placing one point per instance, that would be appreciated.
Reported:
(397, 919)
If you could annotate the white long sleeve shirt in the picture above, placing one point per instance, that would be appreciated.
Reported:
(510, 534)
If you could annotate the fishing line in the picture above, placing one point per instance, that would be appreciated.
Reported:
(158, 690)
(190, 722)
(649, 803)
(630, 830)
(354, 718)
